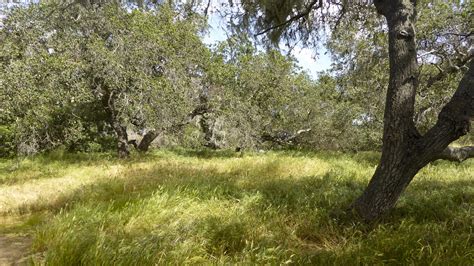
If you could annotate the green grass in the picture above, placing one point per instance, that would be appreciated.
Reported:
(195, 207)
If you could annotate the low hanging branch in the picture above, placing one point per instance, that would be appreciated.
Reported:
(457, 154)
(283, 138)
(151, 135)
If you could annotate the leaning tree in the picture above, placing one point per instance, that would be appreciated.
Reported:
(405, 150)
(359, 49)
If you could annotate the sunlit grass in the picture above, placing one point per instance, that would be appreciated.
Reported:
(186, 207)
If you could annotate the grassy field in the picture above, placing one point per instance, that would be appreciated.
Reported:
(191, 207)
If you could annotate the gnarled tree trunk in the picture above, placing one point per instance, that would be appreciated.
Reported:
(404, 150)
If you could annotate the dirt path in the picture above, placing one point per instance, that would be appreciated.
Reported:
(15, 241)
(14, 250)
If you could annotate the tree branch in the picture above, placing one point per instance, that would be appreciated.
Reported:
(306, 11)
(283, 138)
(453, 120)
(151, 135)
(457, 154)
(419, 117)
(62, 9)
(452, 68)
(206, 10)
(459, 34)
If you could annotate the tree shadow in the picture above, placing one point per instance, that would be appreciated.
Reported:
(330, 192)
(434, 201)
(286, 192)
(313, 206)
(205, 153)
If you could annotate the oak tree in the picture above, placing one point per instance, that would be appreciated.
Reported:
(405, 149)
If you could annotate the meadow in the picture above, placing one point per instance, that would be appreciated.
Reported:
(220, 207)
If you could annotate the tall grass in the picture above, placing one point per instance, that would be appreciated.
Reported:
(191, 207)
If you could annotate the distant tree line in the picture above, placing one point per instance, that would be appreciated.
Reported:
(99, 75)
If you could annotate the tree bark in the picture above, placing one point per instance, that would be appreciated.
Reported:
(404, 150)
(108, 102)
(145, 143)
(122, 140)
(207, 129)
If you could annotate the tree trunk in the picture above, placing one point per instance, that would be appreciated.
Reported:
(145, 143)
(122, 140)
(151, 135)
(404, 150)
(205, 122)
(108, 102)
(207, 129)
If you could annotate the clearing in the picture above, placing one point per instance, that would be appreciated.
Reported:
(188, 207)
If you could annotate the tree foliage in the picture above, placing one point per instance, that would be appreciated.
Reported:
(102, 69)
(90, 75)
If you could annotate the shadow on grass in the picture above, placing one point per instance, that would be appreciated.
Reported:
(367, 158)
(287, 193)
(305, 205)
(205, 153)
(329, 192)
(435, 201)
(49, 165)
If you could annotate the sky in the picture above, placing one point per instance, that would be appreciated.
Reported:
(305, 56)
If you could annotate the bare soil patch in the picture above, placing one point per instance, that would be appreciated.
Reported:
(14, 250)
